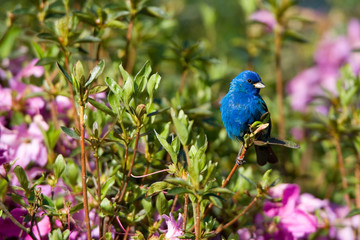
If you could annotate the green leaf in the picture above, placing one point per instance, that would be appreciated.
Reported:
(115, 88)
(86, 17)
(216, 201)
(353, 212)
(66, 234)
(95, 73)
(59, 166)
(114, 103)
(158, 187)
(128, 87)
(46, 61)
(167, 147)
(147, 204)
(67, 76)
(72, 173)
(153, 84)
(77, 208)
(178, 181)
(142, 76)
(48, 36)
(7, 42)
(79, 73)
(295, 36)
(180, 128)
(98, 89)
(88, 39)
(220, 190)
(106, 207)
(21, 176)
(266, 178)
(161, 203)
(115, 24)
(154, 12)
(349, 95)
(70, 132)
(106, 187)
(101, 107)
(179, 191)
(47, 201)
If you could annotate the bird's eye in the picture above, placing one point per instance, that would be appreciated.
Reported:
(249, 81)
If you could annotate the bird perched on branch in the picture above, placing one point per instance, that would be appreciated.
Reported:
(241, 107)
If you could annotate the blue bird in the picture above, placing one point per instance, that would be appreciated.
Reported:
(241, 107)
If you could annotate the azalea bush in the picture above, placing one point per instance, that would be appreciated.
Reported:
(110, 125)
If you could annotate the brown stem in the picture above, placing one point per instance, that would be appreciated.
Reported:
(221, 227)
(98, 188)
(131, 165)
(183, 80)
(185, 211)
(279, 82)
(98, 52)
(342, 171)
(174, 203)
(23, 228)
(83, 171)
(197, 222)
(127, 232)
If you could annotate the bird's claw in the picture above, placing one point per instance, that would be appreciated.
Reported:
(240, 161)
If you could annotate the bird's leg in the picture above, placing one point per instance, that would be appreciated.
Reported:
(240, 158)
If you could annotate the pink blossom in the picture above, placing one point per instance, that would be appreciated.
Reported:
(63, 103)
(6, 99)
(293, 219)
(30, 70)
(26, 144)
(265, 17)
(173, 230)
(44, 228)
(332, 53)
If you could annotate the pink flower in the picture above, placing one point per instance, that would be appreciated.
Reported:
(332, 54)
(44, 228)
(30, 70)
(293, 220)
(6, 99)
(173, 227)
(265, 17)
(26, 144)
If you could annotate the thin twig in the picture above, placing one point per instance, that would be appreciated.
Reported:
(174, 203)
(186, 204)
(153, 173)
(183, 80)
(131, 165)
(221, 227)
(342, 171)
(83, 172)
(9, 215)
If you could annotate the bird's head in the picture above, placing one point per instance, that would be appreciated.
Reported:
(247, 81)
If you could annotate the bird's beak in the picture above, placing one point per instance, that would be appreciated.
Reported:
(259, 85)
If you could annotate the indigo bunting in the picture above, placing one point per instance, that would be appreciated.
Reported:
(241, 107)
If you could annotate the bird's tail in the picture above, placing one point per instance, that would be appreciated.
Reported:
(265, 154)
